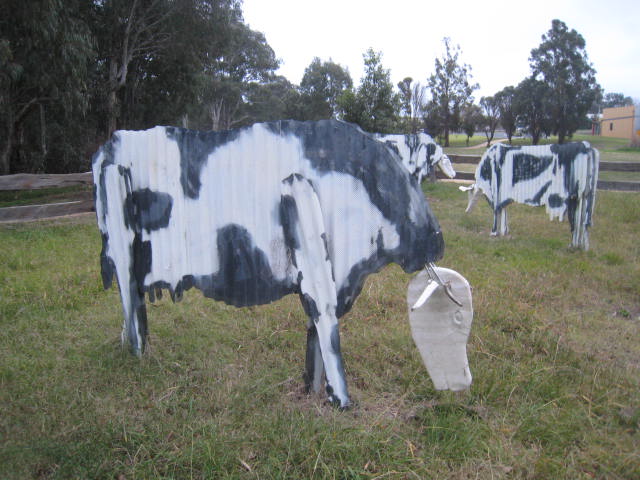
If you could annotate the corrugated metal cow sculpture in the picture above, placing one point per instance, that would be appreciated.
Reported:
(561, 177)
(419, 153)
(250, 215)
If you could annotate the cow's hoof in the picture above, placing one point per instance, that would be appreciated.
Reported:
(336, 403)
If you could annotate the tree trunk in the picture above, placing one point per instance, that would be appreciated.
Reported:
(43, 133)
(112, 98)
(5, 166)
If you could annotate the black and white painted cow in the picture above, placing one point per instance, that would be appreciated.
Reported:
(419, 154)
(250, 215)
(562, 177)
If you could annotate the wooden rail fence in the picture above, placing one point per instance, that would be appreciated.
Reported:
(84, 202)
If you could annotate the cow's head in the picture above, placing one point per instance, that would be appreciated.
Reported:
(440, 325)
(431, 154)
(445, 165)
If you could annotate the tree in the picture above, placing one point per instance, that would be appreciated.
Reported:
(45, 48)
(375, 105)
(127, 31)
(612, 100)
(450, 89)
(531, 97)
(505, 99)
(413, 104)
(274, 100)
(561, 61)
(491, 110)
(472, 118)
(321, 86)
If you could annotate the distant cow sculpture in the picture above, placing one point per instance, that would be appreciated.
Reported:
(561, 177)
(419, 154)
(250, 215)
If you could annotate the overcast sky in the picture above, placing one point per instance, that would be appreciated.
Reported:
(496, 37)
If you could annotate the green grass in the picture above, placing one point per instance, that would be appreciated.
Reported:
(12, 198)
(554, 353)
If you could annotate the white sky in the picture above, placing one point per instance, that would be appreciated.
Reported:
(496, 37)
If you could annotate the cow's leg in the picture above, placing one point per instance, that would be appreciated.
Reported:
(314, 367)
(134, 328)
(129, 256)
(305, 236)
(500, 227)
(504, 226)
(580, 234)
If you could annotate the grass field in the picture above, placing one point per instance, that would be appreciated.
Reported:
(554, 351)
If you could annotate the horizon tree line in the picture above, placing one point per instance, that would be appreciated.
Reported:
(73, 71)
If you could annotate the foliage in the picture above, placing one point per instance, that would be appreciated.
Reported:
(561, 62)
(553, 351)
(320, 88)
(472, 120)
(530, 101)
(375, 105)
(505, 99)
(450, 90)
(612, 100)
(72, 72)
(491, 110)
(44, 52)
(413, 105)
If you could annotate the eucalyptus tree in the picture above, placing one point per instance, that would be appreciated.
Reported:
(506, 107)
(530, 103)
(450, 89)
(129, 33)
(375, 105)
(45, 49)
(413, 103)
(322, 84)
(616, 100)
(471, 119)
(561, 62)
(491, 117)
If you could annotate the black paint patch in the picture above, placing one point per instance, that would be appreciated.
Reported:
(431, 150)
(527, 167)
(151, 210)
(107, 267)
(485, 170)
(310, 357)
(245, 277)
(289, 220)
(555, 200)
(392, 146)
(538, 196)
(310, 306)
(195, 146)
(141, 266)
(567, 153)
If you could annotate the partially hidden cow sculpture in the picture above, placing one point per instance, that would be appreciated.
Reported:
(419, 154)
(561, 177)
(250, 215)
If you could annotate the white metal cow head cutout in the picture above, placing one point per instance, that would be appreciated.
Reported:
(440, 325)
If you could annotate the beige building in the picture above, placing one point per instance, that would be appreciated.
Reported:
(621, 122)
